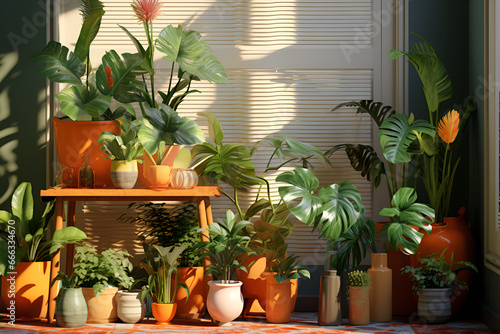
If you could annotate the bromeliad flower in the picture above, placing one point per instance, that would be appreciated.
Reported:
(146, 10)
(109, 77)
(448, 126)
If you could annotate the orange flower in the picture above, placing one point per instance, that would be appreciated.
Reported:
(109, 76)
(146, 10)
(448, 126)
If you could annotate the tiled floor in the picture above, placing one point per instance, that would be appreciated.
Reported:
(300, 323)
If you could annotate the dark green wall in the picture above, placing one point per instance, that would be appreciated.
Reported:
(22, 111)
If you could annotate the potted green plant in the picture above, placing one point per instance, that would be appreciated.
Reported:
(124, 150)
(224, 247)
(163, 267)
(433, 279)
(130, 307)
(101, 274)
(25, 249)
(358, 285)
(279, 302)
(71, 308)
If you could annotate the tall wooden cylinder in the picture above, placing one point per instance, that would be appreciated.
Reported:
(381, 291)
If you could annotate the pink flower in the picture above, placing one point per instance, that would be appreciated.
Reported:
(146, 10)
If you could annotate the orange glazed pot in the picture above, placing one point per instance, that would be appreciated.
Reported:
(144, 167)
(359, 305)
(194, 307)
(159, 176)
(163, 313)
(30, 285)
(279, 305)
(254, 284)
(77, 139)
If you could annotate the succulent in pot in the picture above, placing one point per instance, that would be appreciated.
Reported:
(358, 284)
(125, 151)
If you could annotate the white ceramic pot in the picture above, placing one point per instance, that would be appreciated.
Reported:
(225, 301)
(130, 307)
(434, 305)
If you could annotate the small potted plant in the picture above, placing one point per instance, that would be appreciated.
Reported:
(124, 150)
(358, 285)
(26, 237)
(433, 280)
(224, 247)
(71, 308)
(163, 262)
(279, 305)
(101, 275)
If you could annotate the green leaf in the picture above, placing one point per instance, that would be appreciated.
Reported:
(376, 110)
(191, 52)
(182, 159)
(61, 65)
(302, 183)
(88, 32)
(22, 205)
(396, 135)
(354, 243)
(77, 101)
(64, 236)
(214, 128)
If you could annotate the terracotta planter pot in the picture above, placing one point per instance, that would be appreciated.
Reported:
(164, 313)
(359, 306)
(444, 236)
(30, 286)
(130, 308)
(159, 176)
(77, 139)
(224, 301)
(102, 309)
(254, 284)
(381, 290)
(279, 304)
(144, 167)
(124, 173)
(268, 275)
(71, 308)
(194, 307)
(434, 305)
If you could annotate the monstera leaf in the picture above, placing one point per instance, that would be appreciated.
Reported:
(435, 80)
(192, 53)
(407, 217)
(363, 159)
(376, 110)
(397, 133)
(77, 101)
(121, 83)
(61, 65)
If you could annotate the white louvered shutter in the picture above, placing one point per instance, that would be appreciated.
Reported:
(288, 62)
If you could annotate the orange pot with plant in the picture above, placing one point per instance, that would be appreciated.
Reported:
(194, 306)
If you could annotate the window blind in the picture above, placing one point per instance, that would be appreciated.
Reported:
(288, 64)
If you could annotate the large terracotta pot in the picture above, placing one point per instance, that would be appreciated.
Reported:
(381, 290)
(403, 303)
(359, 305)
(29, 283)
(254, 284)
(434, 305)
(144, 167)
(443, 237)
(279, 304)
(224, 301)
(130, 308)
(194, 307)
(164, 313)
(71, 308)
(102, 309)
(77, 139)
(268, 275)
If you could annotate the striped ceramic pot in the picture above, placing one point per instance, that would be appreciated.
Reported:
(124, 173)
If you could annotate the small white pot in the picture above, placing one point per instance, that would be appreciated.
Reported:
(434, 305)
(225, 301)
(130, 307)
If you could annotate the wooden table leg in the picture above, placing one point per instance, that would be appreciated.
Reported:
(70, 249)
(56, 259)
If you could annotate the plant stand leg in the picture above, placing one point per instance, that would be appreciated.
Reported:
(70, 249)
(56, 259)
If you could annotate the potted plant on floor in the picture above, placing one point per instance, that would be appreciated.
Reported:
(279, 306)
(225, 245)
(433, 279)
(71, 308)
(130, 307)
(101, 274)
(358, 285)
(124, 150)
(163, 267)
(25, 249)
